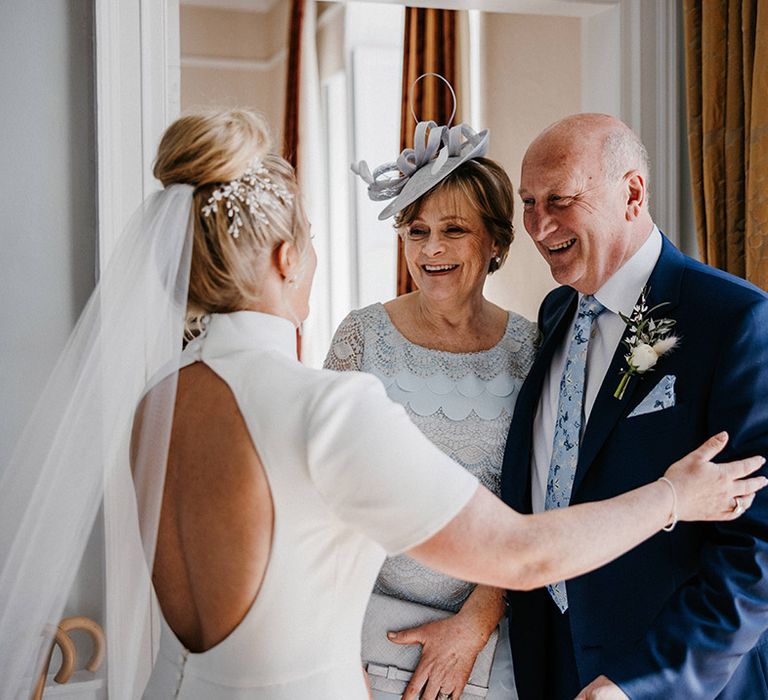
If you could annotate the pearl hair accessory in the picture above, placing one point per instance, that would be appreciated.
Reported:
(253, 190)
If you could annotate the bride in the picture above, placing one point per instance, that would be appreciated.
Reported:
(268, 493)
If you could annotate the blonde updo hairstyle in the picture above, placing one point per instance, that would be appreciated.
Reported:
(488, 188)
(208, 150)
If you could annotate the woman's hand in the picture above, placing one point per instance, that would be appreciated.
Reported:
(709, 491)
(449, 650)
(602, 688)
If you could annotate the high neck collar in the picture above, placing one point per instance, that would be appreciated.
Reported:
(249, 330)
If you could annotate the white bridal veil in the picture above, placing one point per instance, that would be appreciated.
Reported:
(77, 443)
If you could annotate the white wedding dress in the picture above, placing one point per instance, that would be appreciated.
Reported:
(352, 479)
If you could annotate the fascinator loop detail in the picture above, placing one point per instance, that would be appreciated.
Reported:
(450, 87)
(437, 152)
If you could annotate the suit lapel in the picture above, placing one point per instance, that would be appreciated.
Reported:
(664, 286)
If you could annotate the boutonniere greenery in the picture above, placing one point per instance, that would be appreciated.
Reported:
(647, 340)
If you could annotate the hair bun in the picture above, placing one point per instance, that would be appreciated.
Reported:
(208, 147)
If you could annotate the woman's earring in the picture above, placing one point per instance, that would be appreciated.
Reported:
(498, 259)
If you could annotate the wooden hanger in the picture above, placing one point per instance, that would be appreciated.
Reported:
(69, 653)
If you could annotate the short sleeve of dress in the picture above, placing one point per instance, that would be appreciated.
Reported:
(375, 469)
(346, 351)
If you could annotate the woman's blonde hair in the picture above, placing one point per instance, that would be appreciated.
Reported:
(209, 150)
(488, 188)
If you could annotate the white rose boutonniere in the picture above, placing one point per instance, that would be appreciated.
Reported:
(643, 357)
(647, 341)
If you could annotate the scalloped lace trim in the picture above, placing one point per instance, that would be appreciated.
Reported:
(484, 382)
(457, 399)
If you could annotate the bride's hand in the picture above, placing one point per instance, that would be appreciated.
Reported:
(709, 491)
(449, 650)
(602, 688)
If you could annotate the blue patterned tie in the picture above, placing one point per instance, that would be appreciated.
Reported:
(570, 409)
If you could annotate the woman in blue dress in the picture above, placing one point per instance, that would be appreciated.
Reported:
(456, 361)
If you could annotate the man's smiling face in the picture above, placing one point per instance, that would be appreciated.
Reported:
(575, 215)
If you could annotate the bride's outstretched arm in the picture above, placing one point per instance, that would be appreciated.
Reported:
(529, 551)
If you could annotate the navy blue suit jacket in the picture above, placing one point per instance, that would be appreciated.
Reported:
(684, 614)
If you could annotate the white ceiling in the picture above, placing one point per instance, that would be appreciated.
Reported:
(242, 5)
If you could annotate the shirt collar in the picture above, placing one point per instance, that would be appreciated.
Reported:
(620, 292)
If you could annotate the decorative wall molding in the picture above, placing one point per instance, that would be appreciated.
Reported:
(235, 64)
(237, 5)
(557, 8)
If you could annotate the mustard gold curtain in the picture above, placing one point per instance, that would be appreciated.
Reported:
(293, 85)
(726, 46)
(429, 47)
(292, 95)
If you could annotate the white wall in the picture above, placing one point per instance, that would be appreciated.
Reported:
(624, 59)
(236, 59)
(47, 214)
(601, 62)
(653, 104)
(374, 36)
(532, 77)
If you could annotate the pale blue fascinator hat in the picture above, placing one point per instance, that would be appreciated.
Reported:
(437, 151)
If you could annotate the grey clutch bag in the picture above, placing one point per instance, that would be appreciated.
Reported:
(390, 666)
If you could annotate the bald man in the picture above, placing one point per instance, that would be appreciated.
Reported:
(684, 614)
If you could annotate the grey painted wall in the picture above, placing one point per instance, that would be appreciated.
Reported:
(47, 193)
(47, 213)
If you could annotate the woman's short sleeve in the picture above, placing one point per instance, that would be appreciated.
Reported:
(376, 470)
(347, 346)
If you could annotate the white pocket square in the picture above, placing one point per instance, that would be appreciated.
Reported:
(661, 396)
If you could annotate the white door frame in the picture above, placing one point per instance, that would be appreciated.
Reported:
(137, 95)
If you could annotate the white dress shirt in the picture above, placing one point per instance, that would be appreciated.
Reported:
(619, 293)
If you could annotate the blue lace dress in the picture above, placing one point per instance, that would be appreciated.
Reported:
(463, 402)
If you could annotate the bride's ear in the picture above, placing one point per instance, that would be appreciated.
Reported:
(286, 259)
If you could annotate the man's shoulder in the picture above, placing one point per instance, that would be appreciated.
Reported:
(717, 291)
